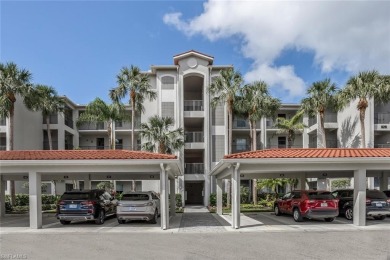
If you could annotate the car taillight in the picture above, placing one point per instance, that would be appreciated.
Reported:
(336, 202)
(149, 203)
(88, 203)
(368, 202)
(388, 201)
(61, 202)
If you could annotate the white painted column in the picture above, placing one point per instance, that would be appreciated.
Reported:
(172, 197)
(236, 197)
(301, 181)
(219, 196)
(34, 184)
(384, 181)
(3, 184)
(305, 135)
(359, 198)
(206, 188)
(163, 198)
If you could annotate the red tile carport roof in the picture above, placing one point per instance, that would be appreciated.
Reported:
(312, 153)
(81, 155)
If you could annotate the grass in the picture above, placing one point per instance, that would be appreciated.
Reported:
(244, 208)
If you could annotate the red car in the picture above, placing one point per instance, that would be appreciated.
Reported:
(308, 204)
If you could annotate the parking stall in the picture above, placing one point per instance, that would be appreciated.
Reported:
(88, 165)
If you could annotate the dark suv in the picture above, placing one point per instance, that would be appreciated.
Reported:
(85, 205)
(377, 204)
(308, 204)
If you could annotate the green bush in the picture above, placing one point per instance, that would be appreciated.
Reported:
(20, 209)
(23, 199)
(213, 199)
(179, 201)
(244, 194)
(8, 206)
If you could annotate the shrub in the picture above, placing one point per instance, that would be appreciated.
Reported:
(213, 199)
(23, 199)
(8, 206)
(244, 194)
(179, 201)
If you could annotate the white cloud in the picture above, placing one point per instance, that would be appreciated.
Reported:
(348, 35)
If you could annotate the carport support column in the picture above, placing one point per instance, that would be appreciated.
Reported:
(219, 196)
(164, 198)
(87, 184)
(2, 198)
(384, 181)
(301, 181)
(359, 197)
(236, 197)
(172, 197)
(34, 187)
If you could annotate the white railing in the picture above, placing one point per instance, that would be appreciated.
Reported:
(194, 168)
(193, 105)
(382, 118)
(194, 137)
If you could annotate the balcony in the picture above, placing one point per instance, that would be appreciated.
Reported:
(47, 147)
(332, 143)
(194, 137)
(69, 122)
(3, 147)
(92, 126)
(382, 145)
(240, 148)
(193, 105)
(194, 168)
(106, 147)
(312, 121)
(282, 146)
(382, 118)
(240, 124)
(127, 125)
(330, 117)
(3, 122)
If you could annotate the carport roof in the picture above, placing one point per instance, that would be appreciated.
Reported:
(81, 155)
(312, 153)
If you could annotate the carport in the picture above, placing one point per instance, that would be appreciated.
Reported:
(302, 164)
(87, 165)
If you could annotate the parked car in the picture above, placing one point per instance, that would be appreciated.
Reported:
(377, 204)
(85, 205)
(308, 204)
(138, 206)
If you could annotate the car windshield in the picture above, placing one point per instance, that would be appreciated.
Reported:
(75, 196)
(320, 195)
(135, 197)
(376, 194)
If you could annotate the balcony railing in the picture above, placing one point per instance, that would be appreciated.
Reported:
(193, 105)
(3, 147)
(382, 145)
(127, 125)
(137, 147)
(382, 118)
(46, 145)
(240, 148)
(332, 143)
(3, 121)
(194, 168)
(330, 117)
(92, 126)
(282, 146)
(194, 137)
(312, 121)
(69, 122)
(240, 123)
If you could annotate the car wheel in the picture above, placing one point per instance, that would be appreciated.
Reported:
(121, 221)
(277, 211)
(65, 222)
(154, 219)
(379, 217)
(349, 213)
(329, 219)
(297, 215)
(100, 218)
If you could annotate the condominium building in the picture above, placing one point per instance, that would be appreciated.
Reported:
(182, 94)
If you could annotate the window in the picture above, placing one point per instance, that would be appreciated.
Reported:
(68, 186)
(282, 115)
(168, 109)
(287, 196)
(167, 82)
(119, 144)
(282, 142)
(99, 143)
(118, 123)
(297, 194)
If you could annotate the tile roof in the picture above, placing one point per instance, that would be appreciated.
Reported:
(81, 155)
(312, 153)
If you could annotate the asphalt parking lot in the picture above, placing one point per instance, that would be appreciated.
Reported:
(193, 222)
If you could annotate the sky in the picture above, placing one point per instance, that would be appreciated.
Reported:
(79, 47)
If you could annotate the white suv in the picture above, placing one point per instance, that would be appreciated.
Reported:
(142, 205)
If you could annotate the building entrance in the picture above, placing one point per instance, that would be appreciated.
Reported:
(195, 191)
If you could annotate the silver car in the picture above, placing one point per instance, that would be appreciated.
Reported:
(143, 205)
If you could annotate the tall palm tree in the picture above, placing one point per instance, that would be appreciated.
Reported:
(225, 89)
(364, 86)
(290, 127)
(321, 95)
(13, 82)
(256, 102)
(131, 81)
(45, 99)
(99, 111)
(159, 137)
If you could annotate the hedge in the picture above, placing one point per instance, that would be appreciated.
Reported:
(23, 199)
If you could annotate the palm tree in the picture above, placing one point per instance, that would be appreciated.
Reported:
(159, 137)
(321, 95)
(256, 102)
(99, 111)
(45, 99)
(224, 90)
(364, 86)
(290, 127)
(272, 184)
(132, 81)
(13, 82)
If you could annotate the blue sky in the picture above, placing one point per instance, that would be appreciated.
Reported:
(78, 47)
